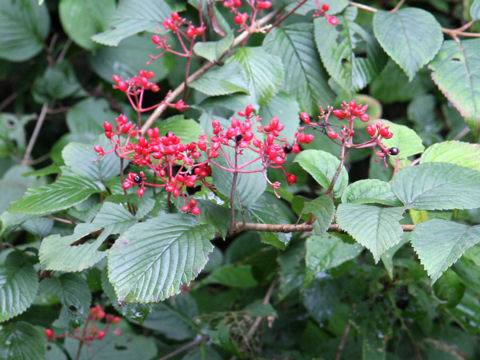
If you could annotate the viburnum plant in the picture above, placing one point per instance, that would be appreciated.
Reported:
(218, 179)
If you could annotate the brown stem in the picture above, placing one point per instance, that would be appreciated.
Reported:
(179, 90)
(185, 347)
(288, 228)
(35, 133)
(259, 319)
(343, 155)
(400, 3)
(8, 100)
(62, 220)
(343, 341)
(283, 17)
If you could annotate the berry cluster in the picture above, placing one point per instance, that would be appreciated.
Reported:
(350, 112)
(90, 331)
(186, 36)
(243, 18)
(321, 11)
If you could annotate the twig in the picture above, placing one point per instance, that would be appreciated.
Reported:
(64, 50)
(185, 347)
(288, 228)
(343, 341)
(259, 319)
(400, 3)
(281, 18)
(462, 133)
(65, 221)
(179, 90)
(232, 193)
(35, 133)
(343, 155)
(8, 100)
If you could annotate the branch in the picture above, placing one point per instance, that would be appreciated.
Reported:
(185, 347)
(343, 341)
(179, 90)
(288, 228)
(35, 133)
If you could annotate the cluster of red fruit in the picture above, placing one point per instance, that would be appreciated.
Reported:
(177, 166)
(322, 12)
(241, 18)
(175, 23)
(90, 332)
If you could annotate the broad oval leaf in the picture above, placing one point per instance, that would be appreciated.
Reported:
(376, 228)
(370, 191)
(132, 17)
(440, 243)
(410, 36)
(457, 61)
(233, 276)
(438, 186)
(264, 71)
(22, 341)
(187, 129)
(323, 209)
(305, 78)
(18, 286)
(454, 152)
(322, 166)
(339, 47)
(68, 191)
(475, 10)
(152, 260)
(82, 19)
(24, 26)
(213, 50)
(223, 80)
(86, 118)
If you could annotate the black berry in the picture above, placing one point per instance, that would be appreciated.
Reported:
(238, 138)
(137, 179)
(394, 151)
(288, 149)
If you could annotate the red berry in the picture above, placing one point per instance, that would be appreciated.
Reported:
(49, 333)
(332, 135)
(237, 3)
(305, 117)
(196, 211)
(101, 334)
(107, 126)
(116, 78)
(332, 20)
(371, 129)
(122, 86)
(291, 178)
(364, 117)
(126, 184)
(185, 208)
(141, 191)
(325, 7)
(238, 19)
(248, 110)
(340, 114)
(98, 149)
(156, 39)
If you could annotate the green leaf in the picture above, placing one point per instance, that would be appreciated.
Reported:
(61, 253)
(174, 318)
(376, 228)
(152, 260)
(233, 276)
(437, 186)
(326, 252)
(403, 138)
(130, 56)
(440, 243)
(84, 161)
(392, 85)
(421, 111)
(87, 117)
(322, 166)
(213, 50)
(13, 185)
(342, 49)
(475, 10)
(25, 25)
(454, 152)
(18, 286)
(223, 80)
(58, 82)
(458, 61)
(275, 213)
(264, 71)
(249, 186)
(119, 347)
(373, 344)
(187, 129)
(68, 191)
(132, 17)
(22, 341)
(449, 288)
(286, 109)
(305, 78)
(370, 191)
(410, 36)
(81, 20)
(323, 209)
(75, 296)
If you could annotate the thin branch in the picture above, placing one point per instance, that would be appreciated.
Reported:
(343, 341)
(8, 100)
(281, 18)
(35, 133)
(185, 347)
(179, 90)
(65, 221)
(258, 320)
(232, 193)
(462, 133)
(400, 3)
(288, 228)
